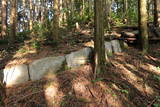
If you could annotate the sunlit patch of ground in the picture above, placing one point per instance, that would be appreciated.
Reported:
(132, 80)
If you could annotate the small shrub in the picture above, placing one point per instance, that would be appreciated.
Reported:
(97, 80)
(3, 42)
(43, 32)
(36, 44)
(22, 50)
(114, 95)
(158, 68)
(110, 53)
(157, 77)
(21, 36)
(124, 91)
(156, 105)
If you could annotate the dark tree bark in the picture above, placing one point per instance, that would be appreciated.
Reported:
(143, 25)
(13, 20)
(99, 49)
(24, 14)
(108, 4)
(55, 24)
(157, 13)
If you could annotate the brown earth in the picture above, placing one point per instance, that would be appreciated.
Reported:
(132, 80)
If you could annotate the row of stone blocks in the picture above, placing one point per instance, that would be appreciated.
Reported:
(39, 68)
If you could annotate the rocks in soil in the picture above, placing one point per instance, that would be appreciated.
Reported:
(15, 75)
(108, 48)
(116, 46)
(78, 58)
(42, 67)
(39, 68)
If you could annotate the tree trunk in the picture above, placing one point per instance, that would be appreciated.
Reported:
(55, 21)
(157, 13)
(90, 6)
(4, 18)
(65, 13)
(148, 8)
(108, 4)
(61, 14)
(24, 14)
(13, 20)
(83, 7)
(125, 10)
(31, 15)
(99, 48)
(143, 25)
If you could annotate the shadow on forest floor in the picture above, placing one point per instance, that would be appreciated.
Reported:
(7, 52)
(25, 53)
(133, 80)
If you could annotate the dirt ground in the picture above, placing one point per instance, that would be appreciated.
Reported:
(132, 80)
(24, 53)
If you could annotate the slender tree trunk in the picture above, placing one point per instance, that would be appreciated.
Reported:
(4, 18)
(157, 13)
(90, 6)
(24, 14)
(31, 15)
(71, 9)
(43, 10)
(13, 20)
(64, 17)
(68, 13)
(83, 7)
(108, 4)
(148, 8)
(34, 13)
(117, 4)
(56, 21)
(125, 10)
(143, 25)
(60, 14)
(99, 48)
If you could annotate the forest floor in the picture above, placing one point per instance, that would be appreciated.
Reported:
(70, 41)
(132, 79)
(25, 52)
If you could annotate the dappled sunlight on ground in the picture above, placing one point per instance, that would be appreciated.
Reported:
(131, 80)
(153, 68)
(51, 93)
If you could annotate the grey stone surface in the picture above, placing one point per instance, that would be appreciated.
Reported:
(108, 48)
(39, 68)
(15, 75)
(78, 58)
(116, 46)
